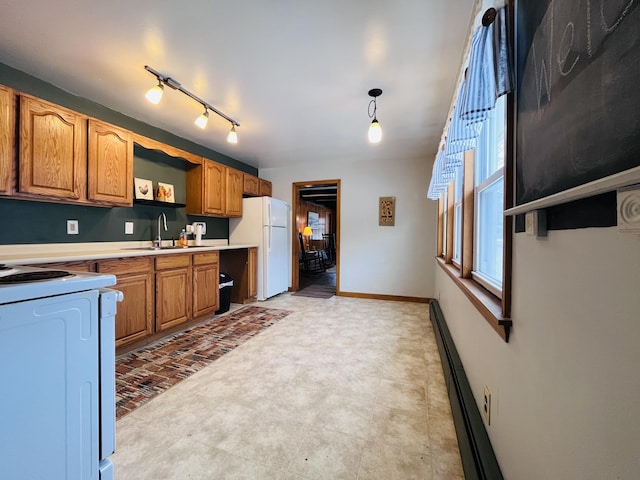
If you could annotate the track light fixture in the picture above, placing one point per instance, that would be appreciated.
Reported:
(375, 131)
(154, 95)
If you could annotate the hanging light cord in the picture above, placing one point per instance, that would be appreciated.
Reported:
(375, 107)
(170, 82)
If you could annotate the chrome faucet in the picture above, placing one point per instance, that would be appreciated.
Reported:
(157, 243)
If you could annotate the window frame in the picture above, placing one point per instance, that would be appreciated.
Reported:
(494, 306)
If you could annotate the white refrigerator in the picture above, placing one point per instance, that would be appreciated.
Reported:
(265, 222)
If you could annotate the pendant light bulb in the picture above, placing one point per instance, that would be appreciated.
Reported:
(154, 95)
(202, 120)
(375, 131)
(233, 135)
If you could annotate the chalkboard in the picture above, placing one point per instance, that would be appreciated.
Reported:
(578, 93)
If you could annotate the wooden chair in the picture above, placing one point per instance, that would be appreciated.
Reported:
(310, 260)
(329, 240)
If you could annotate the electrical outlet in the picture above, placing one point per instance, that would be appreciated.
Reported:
(128, 228)
(486, 407)
(72, 227)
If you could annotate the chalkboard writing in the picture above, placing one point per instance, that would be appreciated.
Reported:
(578, 98)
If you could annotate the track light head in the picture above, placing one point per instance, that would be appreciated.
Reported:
(233, 135)
(202, 120)
(154, 94)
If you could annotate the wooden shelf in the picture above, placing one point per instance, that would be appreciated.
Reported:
(157, 203)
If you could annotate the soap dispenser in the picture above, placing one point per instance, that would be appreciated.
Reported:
(183, 241)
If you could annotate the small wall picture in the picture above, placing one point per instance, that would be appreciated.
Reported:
(387, 210)
(313, 220)
(143, 189)
(164, 193)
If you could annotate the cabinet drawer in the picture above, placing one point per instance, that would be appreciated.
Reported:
(126, 265)
(164, 262)
(205, 258)
(79, 266)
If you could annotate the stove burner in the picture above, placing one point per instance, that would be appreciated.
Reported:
(33, 276)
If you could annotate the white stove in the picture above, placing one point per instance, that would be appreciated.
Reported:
(57, 364)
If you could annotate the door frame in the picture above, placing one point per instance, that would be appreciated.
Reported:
(295, 198)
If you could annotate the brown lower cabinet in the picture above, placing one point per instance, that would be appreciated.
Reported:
(135, 279)
(173, 290)
(206, 298)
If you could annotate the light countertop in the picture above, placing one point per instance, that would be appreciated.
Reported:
(29, 254)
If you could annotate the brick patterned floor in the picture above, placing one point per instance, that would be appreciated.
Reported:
(145, 373)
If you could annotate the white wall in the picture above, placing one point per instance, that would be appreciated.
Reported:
(566, 388)
(394, 260)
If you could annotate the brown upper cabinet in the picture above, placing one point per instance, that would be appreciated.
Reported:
(110, 163)
(214, 189)
(251, 186)
(53, 146)
(265, 188)
(206, 187)
(235, 181)
(66, 156)
(7, 139)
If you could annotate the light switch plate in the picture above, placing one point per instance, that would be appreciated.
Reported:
(72, 227)
(629, 209)
(128, 228)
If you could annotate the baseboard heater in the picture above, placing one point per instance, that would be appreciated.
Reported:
(478, 459)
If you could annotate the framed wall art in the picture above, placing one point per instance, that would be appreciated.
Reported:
(387, 211)
(143, 189)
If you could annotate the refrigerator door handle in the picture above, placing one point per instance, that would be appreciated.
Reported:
(270, 234)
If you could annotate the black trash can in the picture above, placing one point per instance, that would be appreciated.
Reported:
(225, 286)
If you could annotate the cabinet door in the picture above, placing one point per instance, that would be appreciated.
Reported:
(265, 188)
(214, 188)
(205, 289)
(251, 186)
(134, 319)
(235, 182)
(53, 150)
(110, 164)
(173, 297)
(7, 139)
(252, 272)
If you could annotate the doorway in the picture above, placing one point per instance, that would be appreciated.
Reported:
(325, 195)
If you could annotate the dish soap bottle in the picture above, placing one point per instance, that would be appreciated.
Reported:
(183, 241)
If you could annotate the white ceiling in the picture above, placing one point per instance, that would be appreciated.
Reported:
(294, 74)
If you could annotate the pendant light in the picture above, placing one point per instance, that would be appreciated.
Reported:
(375, 131)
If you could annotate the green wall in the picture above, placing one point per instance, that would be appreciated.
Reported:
(26, 221)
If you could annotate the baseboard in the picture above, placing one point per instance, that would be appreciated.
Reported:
(377, 296)
(478, 459)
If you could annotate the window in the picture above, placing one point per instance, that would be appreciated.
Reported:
(474, 204)
(489, 201)
(457, 215)
(472, 175)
